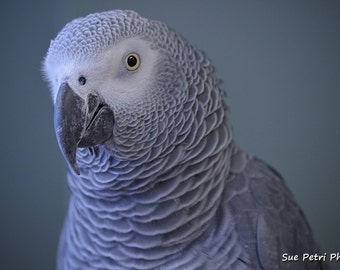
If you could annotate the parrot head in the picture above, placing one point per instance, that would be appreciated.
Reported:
(115, 79)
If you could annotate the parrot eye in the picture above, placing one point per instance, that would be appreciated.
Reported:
(132, 61)
(82, 80)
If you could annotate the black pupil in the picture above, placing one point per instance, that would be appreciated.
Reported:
(132, 61)
(82, 80)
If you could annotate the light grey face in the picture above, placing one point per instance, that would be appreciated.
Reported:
(121, 73)
(91, 88)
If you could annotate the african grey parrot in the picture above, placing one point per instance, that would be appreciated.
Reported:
(156, 180)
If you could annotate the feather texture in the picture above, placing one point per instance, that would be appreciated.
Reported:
(169, 190)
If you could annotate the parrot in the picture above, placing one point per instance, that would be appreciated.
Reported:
(156, 179)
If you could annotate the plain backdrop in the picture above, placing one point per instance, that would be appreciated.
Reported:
(280, 63)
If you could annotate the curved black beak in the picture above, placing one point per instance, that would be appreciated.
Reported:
(80, 123)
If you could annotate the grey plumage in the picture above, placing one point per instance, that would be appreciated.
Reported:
(165, 187)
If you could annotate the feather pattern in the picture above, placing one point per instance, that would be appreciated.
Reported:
(169, 190)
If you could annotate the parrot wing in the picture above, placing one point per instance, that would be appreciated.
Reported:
(267, 219)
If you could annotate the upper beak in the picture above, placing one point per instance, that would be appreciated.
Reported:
(80, 123)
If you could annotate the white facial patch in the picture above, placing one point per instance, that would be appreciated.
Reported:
(116, 83)
(107, 74)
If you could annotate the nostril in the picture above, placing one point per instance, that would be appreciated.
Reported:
(82, 80)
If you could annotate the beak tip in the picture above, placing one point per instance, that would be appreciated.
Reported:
(76, 169)
(70, 157)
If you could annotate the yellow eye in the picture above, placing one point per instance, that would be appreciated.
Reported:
(132, 61)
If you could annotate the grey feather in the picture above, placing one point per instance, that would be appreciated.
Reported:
(169, 189)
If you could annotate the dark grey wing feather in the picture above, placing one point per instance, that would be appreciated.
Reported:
(268, 220)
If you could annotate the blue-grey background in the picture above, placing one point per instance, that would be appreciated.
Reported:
(280, 63)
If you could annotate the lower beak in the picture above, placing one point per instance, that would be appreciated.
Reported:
(80, 123)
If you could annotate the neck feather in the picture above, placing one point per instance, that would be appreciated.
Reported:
(153, 209)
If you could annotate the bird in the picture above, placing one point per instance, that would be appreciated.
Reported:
(156, 178)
